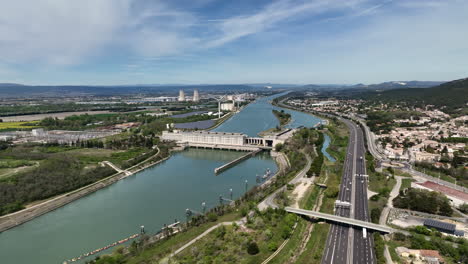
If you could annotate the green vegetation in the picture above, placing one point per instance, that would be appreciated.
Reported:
(379, 247)
(450, 97)
(56, 175)
(463, 208)
(454, 250)
(15, 163)
(282, 116)
(405, 184)
(59, 169)
(151, 124)
(382, 121)
(454, 140)
(423, 201)
(457, 171)
(59, 108)
(262, 235)
(316, 166)
(11, 126)
(381, 183)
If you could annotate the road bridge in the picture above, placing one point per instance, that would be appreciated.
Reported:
(341, 219)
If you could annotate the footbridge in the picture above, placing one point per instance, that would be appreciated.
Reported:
(341, 219)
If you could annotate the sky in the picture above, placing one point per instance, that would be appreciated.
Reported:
(115, 42)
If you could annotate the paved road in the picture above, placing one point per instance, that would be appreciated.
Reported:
(345, 244)
(363, 243)
(337, 242)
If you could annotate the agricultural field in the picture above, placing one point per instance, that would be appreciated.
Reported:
(5, 126)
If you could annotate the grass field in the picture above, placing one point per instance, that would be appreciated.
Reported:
(405, 183)
(17, 125)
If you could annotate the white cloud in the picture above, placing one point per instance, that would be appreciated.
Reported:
(57, 32)
(68, 32)
(279, 11)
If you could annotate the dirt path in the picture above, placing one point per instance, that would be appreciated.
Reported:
(394, 193)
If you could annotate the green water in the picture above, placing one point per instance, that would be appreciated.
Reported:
(152, 198)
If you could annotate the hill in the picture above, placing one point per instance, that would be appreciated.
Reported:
(450, 96)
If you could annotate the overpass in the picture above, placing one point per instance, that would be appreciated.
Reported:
(341, 219)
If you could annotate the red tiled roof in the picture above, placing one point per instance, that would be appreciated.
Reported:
(446, 190)
(430, 253)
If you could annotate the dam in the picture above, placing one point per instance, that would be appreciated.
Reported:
(224, 140)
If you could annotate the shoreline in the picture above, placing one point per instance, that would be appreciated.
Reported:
(15, 219)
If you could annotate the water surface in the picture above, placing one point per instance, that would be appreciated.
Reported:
(152, 198)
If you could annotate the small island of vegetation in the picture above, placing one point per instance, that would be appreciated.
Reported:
(282, 116)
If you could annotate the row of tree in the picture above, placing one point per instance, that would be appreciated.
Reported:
(423, 201)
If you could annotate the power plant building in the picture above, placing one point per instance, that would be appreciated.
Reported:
(196, 96)
(181, 96)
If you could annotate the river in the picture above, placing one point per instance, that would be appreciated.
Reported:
(153, 197)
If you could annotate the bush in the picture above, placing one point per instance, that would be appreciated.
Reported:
(399, 236)
(279, 147)
(252, 248)
(375, 215)
(332, 192)
(463, 208)
(422, 230)
(285, 232)
(212, 217)
(272, 246)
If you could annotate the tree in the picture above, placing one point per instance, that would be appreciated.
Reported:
(463, 208)
(375, 214)
(252, 248)
(278, 147)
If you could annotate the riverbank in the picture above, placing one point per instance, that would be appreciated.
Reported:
(20, 217)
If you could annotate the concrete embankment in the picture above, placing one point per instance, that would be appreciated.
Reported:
(236, 161)
(20, 217)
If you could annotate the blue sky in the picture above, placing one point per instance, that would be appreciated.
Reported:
(109, 42)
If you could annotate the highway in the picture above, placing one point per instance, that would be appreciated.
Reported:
(363, 245)
(347, 244)
(337, 248)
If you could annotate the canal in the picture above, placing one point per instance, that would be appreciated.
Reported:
(153, 197)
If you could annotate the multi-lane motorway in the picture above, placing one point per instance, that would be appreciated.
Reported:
(347, 244)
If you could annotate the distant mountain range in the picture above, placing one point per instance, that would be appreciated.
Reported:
(20, 90)
(8, 90)
(396, 85)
